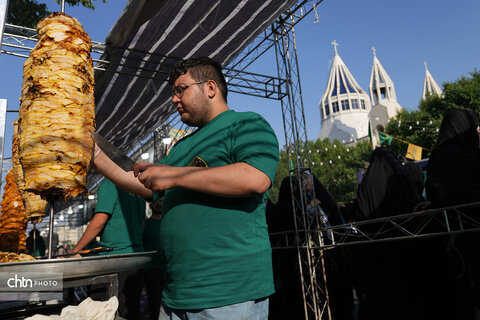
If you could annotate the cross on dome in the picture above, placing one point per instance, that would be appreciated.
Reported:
(335, 45)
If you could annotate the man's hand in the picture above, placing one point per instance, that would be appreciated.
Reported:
(158, 177)
(124, 180)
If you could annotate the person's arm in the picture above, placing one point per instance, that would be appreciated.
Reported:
(124, 180)
(233, 180)
(93, 229)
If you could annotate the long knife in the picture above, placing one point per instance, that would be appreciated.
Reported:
(117, 156)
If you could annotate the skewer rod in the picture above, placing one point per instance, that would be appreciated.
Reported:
(50, 232)
(63, 6)
(34, 239)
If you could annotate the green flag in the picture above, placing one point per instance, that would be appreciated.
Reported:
(384, 137)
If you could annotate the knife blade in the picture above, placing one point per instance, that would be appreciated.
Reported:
(117, 156)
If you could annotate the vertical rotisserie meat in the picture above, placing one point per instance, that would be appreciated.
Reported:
(57, 109)
(13, 218)
(34, 204)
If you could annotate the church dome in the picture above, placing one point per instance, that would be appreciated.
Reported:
(344, 106)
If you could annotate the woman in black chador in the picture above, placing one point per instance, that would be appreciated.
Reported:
(387, 189)
(385, 272)
(453, 172)
(287, 303)
(453, 178)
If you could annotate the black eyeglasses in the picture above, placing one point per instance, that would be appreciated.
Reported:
(178, 91)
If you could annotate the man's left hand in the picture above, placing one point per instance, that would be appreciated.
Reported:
(157, 177)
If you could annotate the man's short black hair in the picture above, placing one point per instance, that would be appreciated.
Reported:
(201, 69)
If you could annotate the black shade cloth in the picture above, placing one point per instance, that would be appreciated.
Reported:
(132, 97)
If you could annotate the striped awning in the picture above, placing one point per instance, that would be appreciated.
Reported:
(132, 94)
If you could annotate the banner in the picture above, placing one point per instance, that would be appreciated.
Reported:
(414, 152)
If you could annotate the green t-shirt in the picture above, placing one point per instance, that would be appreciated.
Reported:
(123, 230)
(151, 242)
(216, 250)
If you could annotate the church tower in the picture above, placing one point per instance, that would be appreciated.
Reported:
(429, 85)
(382, 89)
(344, 106)
(384, 99)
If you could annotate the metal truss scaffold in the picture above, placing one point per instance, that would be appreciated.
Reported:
(310, 260)
(422, 224)
(19, 41)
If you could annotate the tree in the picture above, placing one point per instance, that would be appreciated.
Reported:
(418, 127)
(28, 13)
(421, 126)
(333, 164)
(464, 93)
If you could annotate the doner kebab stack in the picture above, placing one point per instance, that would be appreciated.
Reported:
(57, 110)
(13, 219)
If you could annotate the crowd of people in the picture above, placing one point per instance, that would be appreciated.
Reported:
(212, 218)
(428, 278)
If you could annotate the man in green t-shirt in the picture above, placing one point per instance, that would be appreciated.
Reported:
(118, 220)
(213, 235)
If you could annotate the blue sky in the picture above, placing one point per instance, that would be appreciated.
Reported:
(405, 34)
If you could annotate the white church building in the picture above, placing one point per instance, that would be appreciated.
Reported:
(347, 111)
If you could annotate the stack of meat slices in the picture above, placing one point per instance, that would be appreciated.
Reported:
(57, 109)
(13, 218)
(33, 203)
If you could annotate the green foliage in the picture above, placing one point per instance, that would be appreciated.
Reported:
(464, 93)
(334, 164)
(86, 3)
(282, 171)
(417, 127)
(28, 13)
(420, 126)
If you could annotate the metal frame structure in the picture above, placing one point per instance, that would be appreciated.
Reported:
(19, 41)
(416, 225)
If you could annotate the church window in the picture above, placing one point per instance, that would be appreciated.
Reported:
(345, 105)
(334, 91)
(381, 80)
(342, 87)
(327, 109)
(363, 104)
(335, 107)
(355, 104)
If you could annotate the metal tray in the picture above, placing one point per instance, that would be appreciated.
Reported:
(84, 266)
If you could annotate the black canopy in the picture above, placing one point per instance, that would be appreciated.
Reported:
(132, 94)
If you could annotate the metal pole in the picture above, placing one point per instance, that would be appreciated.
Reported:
(3, 117)
(34, 238)
(50, 231)
(3, 17)
(446, 220)
(63, 6)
